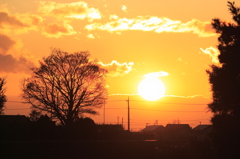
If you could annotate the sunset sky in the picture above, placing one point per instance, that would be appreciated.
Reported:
(131, 38)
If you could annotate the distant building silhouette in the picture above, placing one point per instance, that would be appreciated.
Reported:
(154, 131)
(202, 132)
(170, 132)
(14, 127)
(110, 131)
(178, 131)
(13, 119)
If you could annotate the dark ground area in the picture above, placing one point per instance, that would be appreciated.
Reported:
(101, 150)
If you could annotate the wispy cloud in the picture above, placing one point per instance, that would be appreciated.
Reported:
(181, 60)
(213, 53)
(156, 74)
(91, 36)
(116, 68)
(121, 94)
(76, 10)
(124, 8)
(188, 97)
(155, 24)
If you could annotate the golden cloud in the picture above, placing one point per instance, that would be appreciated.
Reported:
(213, 53)
(156, 74)
(76, 10)
(155, 24)
(117, 69)
(56, 30)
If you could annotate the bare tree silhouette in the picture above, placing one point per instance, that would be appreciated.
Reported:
(3, 97)
(66, 86)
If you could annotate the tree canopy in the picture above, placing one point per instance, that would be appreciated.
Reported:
(66, 85)
(225, 82)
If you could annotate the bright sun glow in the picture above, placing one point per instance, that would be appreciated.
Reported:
(151, 88)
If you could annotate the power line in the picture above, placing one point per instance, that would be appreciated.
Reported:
(162, 110)
(14, 101)
(133, 101)
(186, 111)
(169, 110)
(157, 102)
(18, 109)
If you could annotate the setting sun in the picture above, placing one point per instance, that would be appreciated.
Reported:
(151, 88)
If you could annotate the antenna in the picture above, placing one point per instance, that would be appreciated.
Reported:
(122, 121)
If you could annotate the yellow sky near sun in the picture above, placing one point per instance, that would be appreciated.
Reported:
(130, 39)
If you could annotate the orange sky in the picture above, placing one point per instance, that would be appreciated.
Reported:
(131, 38)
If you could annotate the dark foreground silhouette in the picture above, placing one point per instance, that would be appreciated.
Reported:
(108, 149)
(22, 138)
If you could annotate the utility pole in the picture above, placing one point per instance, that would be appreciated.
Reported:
(104, 112)
(128, 114)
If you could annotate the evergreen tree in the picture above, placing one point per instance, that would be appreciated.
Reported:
(225, 82)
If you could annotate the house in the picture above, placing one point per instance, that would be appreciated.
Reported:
(154, 131)
(110, 131)
(13, 120)
(201, 132)
(178, 131)
(13, 127)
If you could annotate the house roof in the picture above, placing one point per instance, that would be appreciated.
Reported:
(13, 119)
(178, 126)
(201, 127)
(152, 128)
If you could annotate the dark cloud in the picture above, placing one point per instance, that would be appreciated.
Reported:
(57, 30)
(10, 20)
(10, 64)
(5, 43)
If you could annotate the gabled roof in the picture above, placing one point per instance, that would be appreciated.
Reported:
(13, 119)
(151, 128)
(202, 127)
(178, 126)
(110, 126)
